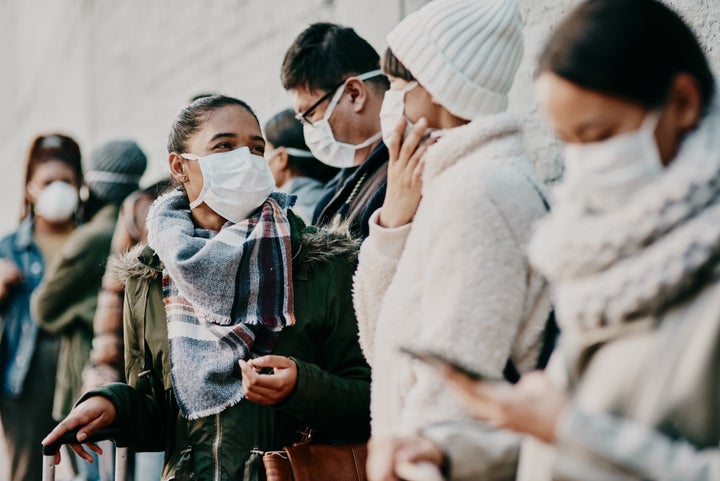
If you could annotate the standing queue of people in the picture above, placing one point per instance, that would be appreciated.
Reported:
(258, 303)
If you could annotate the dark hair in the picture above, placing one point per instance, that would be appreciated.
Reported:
(46, 148)
(629, 49)
(284, 130)
(394, 67)
(324, 55)
(200, 96)
(191, 117)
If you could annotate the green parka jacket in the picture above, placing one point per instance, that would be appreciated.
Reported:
(332, 394)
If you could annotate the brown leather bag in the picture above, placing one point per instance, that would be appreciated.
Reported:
(316, 462)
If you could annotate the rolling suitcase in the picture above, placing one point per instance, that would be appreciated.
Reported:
(115, 435)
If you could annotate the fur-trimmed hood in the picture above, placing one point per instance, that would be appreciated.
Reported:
(311, 247)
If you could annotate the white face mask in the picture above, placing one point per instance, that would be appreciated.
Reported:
(235, 183)
(611, 171)
(57, 202)
(393, 109)
(321, 141)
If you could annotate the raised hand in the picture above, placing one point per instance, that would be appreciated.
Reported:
(89, 416)
(404, 177)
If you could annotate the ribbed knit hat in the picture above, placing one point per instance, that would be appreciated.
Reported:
(465, 53)
(115, 170)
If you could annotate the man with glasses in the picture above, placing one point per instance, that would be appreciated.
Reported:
(337, 89)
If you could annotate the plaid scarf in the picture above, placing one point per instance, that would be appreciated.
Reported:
(227, 295)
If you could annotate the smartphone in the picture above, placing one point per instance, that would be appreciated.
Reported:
(436, 359)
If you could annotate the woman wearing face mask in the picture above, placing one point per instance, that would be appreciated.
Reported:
(238, 320)
(444, 267)
(28, 354)
(294, 167)
(632, 248)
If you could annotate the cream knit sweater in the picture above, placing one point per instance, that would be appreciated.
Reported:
(457, 279)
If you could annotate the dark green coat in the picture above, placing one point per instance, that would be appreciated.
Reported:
(333, 389)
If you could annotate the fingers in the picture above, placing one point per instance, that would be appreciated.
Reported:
(81, 452)
(420, 449)
(413, 139)
(380, 465)
(280, 362)
(67, 424)
(89, 416)
(268, 389)
(396, 140)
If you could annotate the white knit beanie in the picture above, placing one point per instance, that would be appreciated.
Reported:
(465, 53)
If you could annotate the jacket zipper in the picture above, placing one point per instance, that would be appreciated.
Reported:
(216, 446)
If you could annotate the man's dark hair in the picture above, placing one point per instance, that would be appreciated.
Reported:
(324, 55)
(629, 49)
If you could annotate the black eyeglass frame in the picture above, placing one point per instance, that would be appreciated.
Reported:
(303, 116)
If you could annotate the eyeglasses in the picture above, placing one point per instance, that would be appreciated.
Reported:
(304, 117)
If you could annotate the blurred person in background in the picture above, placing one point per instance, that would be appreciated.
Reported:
(65, 301)
(334, 78)
(106, 362)
(294, 167)
(29, 353)
(632, 249)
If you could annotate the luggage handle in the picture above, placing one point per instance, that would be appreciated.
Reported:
(117, 435)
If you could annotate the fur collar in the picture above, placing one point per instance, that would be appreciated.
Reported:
(499, 135)
(312, 247)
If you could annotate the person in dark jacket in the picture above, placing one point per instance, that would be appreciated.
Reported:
(29, 353)
(337, 87)
(238, 318)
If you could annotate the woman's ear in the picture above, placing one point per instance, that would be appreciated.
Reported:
(176, 163)
(685, 102)
(358, 93)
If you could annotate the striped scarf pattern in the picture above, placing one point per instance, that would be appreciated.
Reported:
(227, 296)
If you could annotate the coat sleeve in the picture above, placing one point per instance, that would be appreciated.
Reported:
(378, 259)
(335, 397)
(68, 291)
(141, 411)
(472, 301)
(637, 449)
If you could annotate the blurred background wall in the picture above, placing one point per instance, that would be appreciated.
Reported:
(103, 69)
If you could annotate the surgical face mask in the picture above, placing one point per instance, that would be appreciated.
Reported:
(392, 110)
(235, 183)
(321, 141)
(609, 172)
(57, 202)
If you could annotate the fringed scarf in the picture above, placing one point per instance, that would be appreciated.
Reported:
(227, 296)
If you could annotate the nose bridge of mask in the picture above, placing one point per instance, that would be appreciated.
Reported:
(208, 167)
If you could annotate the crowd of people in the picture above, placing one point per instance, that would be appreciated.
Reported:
(381, 263)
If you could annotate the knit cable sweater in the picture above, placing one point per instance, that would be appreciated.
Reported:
(457, 279)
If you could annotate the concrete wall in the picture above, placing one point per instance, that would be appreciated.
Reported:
(101, 69)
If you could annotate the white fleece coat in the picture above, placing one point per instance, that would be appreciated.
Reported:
(456, 280)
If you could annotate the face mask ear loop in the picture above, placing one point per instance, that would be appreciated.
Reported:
(651, 121)
(333, 102)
